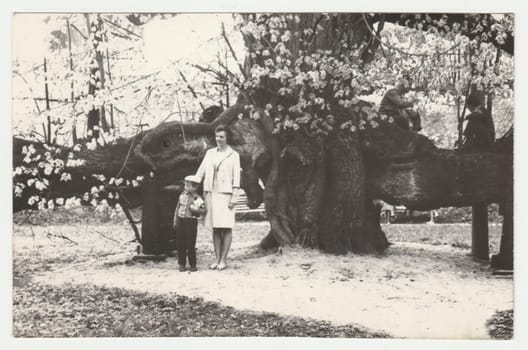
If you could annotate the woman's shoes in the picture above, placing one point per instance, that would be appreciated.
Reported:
(219, 267)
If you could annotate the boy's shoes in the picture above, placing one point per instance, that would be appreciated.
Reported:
(182, 268)
(193, 269)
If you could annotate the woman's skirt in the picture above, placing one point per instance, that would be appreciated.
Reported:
(218, 213)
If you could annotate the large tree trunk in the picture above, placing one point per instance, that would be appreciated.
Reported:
(316, 188)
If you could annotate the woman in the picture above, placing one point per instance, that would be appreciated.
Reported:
(220, 173)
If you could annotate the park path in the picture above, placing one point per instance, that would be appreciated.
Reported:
(414, 291)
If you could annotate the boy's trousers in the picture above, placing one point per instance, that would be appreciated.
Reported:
(186, 240)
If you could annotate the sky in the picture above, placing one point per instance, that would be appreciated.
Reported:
(185, 37)
(30, 35)
(188, 37)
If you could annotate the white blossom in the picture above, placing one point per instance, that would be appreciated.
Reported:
(92, 145)
(58, 163)
(42, 204)
(99, 177)
(18, 191)
(73, 163)
(39, 185)
(33, 199)
(286, 36)
(65, 177)
(48, 169)
(72, 202)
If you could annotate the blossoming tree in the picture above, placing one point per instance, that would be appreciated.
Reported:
(301, 128)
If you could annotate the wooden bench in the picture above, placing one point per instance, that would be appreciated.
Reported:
(242, 208)
(242, 211)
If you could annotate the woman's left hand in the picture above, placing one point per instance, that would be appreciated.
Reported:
(232, 203)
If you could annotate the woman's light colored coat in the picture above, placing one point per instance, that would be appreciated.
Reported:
(227, 172)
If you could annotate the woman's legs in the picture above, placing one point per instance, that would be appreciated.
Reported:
(227, 237)
(217, 242)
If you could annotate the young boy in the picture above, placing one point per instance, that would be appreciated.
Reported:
(190, 206)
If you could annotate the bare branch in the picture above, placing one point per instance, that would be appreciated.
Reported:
(30, 90)
(79, 31)
(224, 35)
(48, 234)
(122, 28)
(109, 238)
(181, 119)
(190, 88)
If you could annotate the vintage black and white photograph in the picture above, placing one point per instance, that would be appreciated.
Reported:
(244, 174)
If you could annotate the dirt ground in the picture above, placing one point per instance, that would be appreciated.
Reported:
(422, 289)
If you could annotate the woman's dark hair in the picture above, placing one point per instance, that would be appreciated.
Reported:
(227, 132)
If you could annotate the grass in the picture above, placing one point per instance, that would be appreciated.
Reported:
(455, 235)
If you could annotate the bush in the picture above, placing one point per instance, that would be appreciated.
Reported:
(458, 215)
